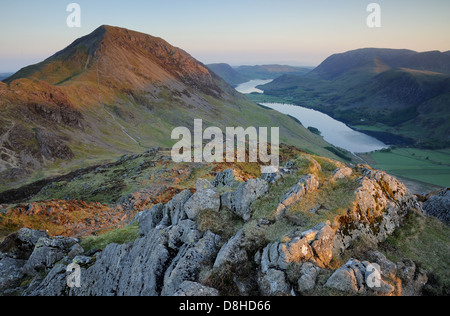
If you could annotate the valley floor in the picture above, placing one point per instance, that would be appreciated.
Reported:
(426, 170)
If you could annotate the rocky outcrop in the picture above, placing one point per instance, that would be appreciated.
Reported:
(27, 253)
(21, 245)
(156, 264)
(439, 206)
(246, 194)
(239, 201)
(380, 206)
(47, 252)
(53, 147)
(232, 252)
(174, 257)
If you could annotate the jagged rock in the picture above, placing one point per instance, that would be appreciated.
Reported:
(149, 219)
(225, 179)
(306, 184)
(307, 282)
(187, 264)
(342, 173)
(344, 280)
(232, 252)
(380, 206)
(274, 283)
(175, 208)
(193, 289)
(47, 252)
(20, 245)
(206, 198)
(185, 233)
(246, 194)
(439, 206)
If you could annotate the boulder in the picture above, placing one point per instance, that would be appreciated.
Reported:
(47, 252)
(225, 179)
(357, 277)
(342, 173)
(439, 206)
(206, 198)
(174, 210)
(149, 219)
(307, 281)
(282, 255)
(344, 280)
(246, 194)
(323, 244)
(274, 283)
(187, 263)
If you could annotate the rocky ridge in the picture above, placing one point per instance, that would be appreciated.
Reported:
(176, 256)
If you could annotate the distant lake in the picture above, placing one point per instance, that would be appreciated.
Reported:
(333, 131)
(250, 87)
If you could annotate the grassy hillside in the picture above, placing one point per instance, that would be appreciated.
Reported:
(116, 92)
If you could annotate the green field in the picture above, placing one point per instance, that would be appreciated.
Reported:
(430, 166)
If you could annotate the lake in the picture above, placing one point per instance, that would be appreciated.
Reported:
(250, 86)
(333, 131)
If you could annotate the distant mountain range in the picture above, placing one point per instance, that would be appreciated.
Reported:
(384, 91)
(237, 75)
(116, 92)
(5, 75)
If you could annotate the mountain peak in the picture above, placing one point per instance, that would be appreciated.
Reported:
(371, 60)
(128, 59)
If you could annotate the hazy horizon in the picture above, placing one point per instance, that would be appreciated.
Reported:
(245, 32)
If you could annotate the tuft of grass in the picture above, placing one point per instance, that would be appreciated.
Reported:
(334, 199)
(223, 223)
(119, 236)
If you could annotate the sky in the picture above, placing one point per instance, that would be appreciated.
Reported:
(294, 32)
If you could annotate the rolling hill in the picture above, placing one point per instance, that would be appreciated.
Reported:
(402, 92)
(116, 92)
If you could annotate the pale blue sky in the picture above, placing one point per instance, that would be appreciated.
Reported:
(233, 31)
